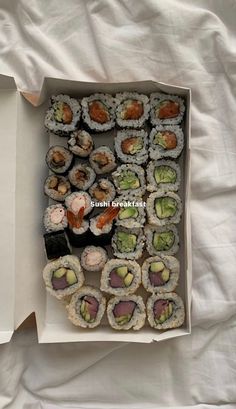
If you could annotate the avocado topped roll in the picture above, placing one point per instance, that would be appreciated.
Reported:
(59, 159)
(120, 277)
(129, 179)
(132, 109)
(163, 208)
(161, 240)
(99, 112)
(131, 213)
(128, 243)
(165, 311)
(131, 146)
(82, 176)
(163, 175)
(166, 142)
(102, 160)
(102, 191)
(80, 143)
(127, 312)
(166, 109)
(160, 274)
(57, 187)
(63, 116)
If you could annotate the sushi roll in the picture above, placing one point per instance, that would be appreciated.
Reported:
(102, 160)
(56, 244)
(164, 208)
(120, 277)
(131, 146)
(129, 179)
(101, 226)
(160, 274)
(63, 115)
(162, 240)
(166, 109)
(163, 175)
(63, 276)
(99, 112)
(166, 142)
(57, 187)
(128, 243)
(82, 176)
(93, 258)
(127, 312)
(86, 307)
(102, 191)
(132, 109)
(78, 200)
(59, 159)
(55, 218)
(131, 213)
(165, 311)
(80, 143)
(79, 234)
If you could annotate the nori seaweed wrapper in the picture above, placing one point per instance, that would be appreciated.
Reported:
(56, 244)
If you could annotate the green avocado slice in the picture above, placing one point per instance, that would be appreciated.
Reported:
(165, 207)
(157, 267)
(123, 319)
(165, 174)
(122, 271)
(60, 272)
(163, 241)
(126, 242)
(130, 212)
(128, 180)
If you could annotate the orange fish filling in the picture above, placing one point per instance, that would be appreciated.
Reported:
(168, 109)
(107, 216)
(98, 112)
(134, 110)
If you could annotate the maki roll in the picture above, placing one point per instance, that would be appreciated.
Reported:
(63, 115)
(78, 200)
(166, 109)
(164, 208)
(129, 179)
(166, 142)
(56, 244)
(165, 311)
(161, 240)
(99, 112)
(127, 312)
(101, 226)
(93, 258)
(160, 274)
(57, 187)
(131, 146)
(163, 175)
(63, 276)
(79, 233)
(131, 213)
(86, 307)
(55, 218)
(120, 277)
(128, 243)
(82, 176)
(132, 109)
(59, 159)
(102, 191)
(102, 160)
(80, 143)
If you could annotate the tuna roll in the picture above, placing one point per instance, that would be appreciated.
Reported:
(120, 277)
(165, 311)
(160, 274)
(127, 312)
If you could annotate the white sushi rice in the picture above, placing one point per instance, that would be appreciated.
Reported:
(131, 222)
(151, 212)
(80, 184)
(68, 158)
(76, 200)
(149, 232)
(55, 218)
(130, 96)
(133, 267)
(137, 320)
(57, 127)
(58, 195)
(172, 264)
(111, 165)
(106, 186)
(138, 158)
(82, 229)
(175, 320)
(152, 184)
(158, 152)
(110, 104)
(93, 258)
(131, 255)
(138, 171)
(155, 99)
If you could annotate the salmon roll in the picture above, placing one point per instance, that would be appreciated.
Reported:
(63, 115)
(57, 187)
(80, 143)
(162, 240)
(131, 146)
(82, 176)
(165, 311)
(166, 109)
(160, 274)
(120, 277)
(127, 312)
(59, 159)
(166, 142)
(102, 160)
(164, 208)
(98, 111)
(163, 175)
(132, 109)
(102, 191)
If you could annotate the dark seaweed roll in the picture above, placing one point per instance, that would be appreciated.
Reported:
(127, 312)
(129, 179)
(164, 208)
(166, 109)
(99, 112)
(55, 218)
(120, 277)
(82, 176)
(160, 274)
(163, 175)
(128, 243)
(162, 240)
(56, 244)
(165, 311)
(80, 143)
(166, 142)
(59, 159)
(102, 191)
(57, 187)
(102, 160)
(131, 146)
(63, 116)
(93, 258)
(132, 110)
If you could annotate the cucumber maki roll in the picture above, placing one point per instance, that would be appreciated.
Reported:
(166, 109)
(82, 176)
(86, 307)
(132, 109)
(128, 243)
(120, 277)
(63, 276)
(165, 311)
(102, 191)
(59, 159)
(56, 244)
(78, 200)
(131, 146)
(93, 258)
(166, 142)
(102, 160)
(55, 218)
(160, 274)
(131, 213)
(164, 208)
(57, 187)
(129, 179)
(163, 175)
(63, 116)
(99, 112)
(127, 312)
(80, 143)
(161, 240)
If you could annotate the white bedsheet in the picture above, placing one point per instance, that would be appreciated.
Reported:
(188, 43)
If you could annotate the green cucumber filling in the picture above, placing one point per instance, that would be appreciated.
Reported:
(63, 278)
(62, 112)
(126, 242)
(128, 213)
(165, 174)
(163, 241)
(128, 180)
(165, 207)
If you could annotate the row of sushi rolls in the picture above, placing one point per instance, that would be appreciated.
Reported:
(125, 199)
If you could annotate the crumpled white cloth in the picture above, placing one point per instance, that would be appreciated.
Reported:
(188, 43)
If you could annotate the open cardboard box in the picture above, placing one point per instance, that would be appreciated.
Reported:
(24, 143)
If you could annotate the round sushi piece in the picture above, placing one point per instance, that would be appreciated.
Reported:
(127, 312)
(164, 208)
(63, 276)
(55, 218)
(131, 146)
(86, 307)
(166, 109)
(102, 191)
(132, 109)
(160, 274)
(57, 187)
(99, 112)
(162, 240)
(78, 200)
(132, 212)
(82, 176)
(128, 243)
(102, 160)
(165, 311)
(59, 159)
(93, 258)
(166, 142)
(163, 175)
(63, 115)
(101, 226)
(80, 143)
(120, 277)
(129, 179)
